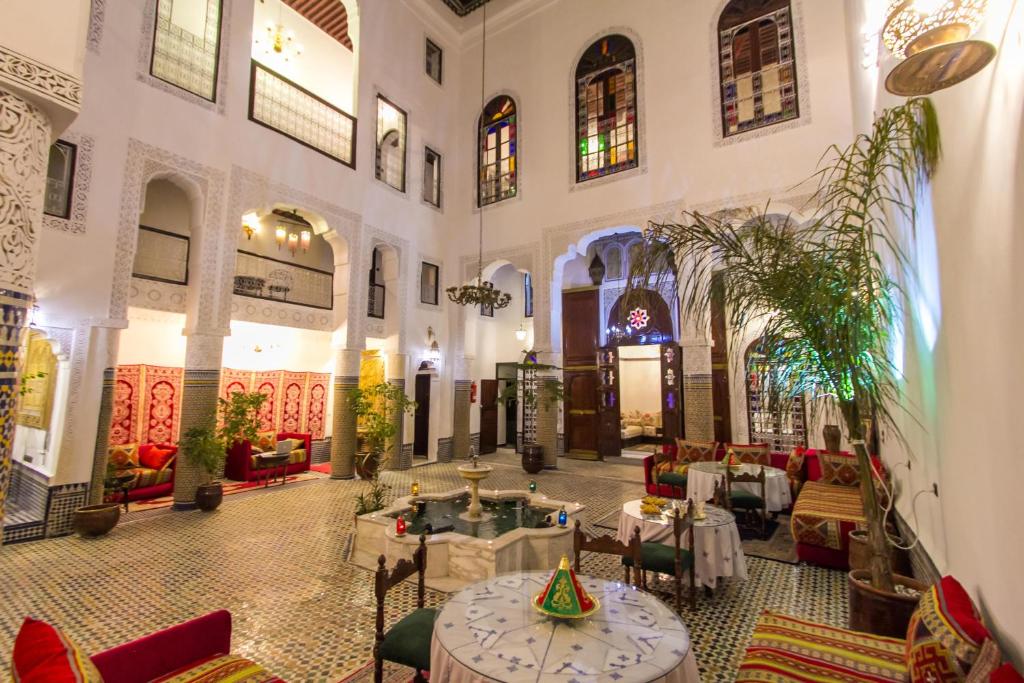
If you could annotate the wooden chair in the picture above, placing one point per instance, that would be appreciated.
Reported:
(629, 552)
(675, 559)
(408, 641)
(745, 500)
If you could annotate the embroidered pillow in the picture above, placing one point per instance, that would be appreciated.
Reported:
(1006, 674)
(795, 469)
(125, 456)
(838, 470)
(945, 637)
(681, 468)
(662, 464)
(43, 653)
(753, 453)
(696, 451)
(156, 458)
(266, 441)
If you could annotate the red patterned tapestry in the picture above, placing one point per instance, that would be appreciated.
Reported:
(297, 401)
(162, 413)
(269, 384)
(316, 412)
(124, 412)
(233, 381)
(291, 401)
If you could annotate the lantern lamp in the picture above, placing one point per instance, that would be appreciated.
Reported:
(305, 237)
(400, 526)
(563, 517)
(293, 242)
(414, 489)
(280, 235)
(533, 486)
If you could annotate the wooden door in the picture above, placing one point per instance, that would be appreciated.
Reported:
(671, 396)
(421, 419)
(488, 416)
(609, 439)
(581, 320)
(720, 363)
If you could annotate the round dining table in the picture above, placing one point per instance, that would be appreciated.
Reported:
(490, 631)
(716, 540)
(701, 478)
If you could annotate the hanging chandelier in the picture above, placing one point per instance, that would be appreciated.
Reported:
(480, 292)
(932, 37)
(279, 40)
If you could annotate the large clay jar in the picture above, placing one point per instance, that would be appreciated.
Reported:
(96, 520)
(880, 612)
(533, 458)
(833, 438)
(209, 496)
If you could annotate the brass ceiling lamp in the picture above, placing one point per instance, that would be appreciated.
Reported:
(481, 292)
(933, 38)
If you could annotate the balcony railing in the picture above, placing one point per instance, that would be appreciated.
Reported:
(262, 277)
(293, 111)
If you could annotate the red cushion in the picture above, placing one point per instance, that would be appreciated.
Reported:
(155, 458)
(1006, 674)
(946, 638)
(43, 653)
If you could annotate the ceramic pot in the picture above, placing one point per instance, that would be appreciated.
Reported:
(209, 496)
(533, 458)
(833, 438)
(96, 520)
(367, 465)
(880, 612)
(860, 554)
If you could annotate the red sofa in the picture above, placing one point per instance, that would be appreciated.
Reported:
(239, 464)
(156, 490)
(778, 460)
(203, 641)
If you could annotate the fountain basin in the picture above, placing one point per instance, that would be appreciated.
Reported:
(456, 557)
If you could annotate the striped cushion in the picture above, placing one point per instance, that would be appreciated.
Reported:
(145, 476)
(297, 456)
(946, 635)
(43, 653)
(221, 668)
(785, 648)
(824, 515)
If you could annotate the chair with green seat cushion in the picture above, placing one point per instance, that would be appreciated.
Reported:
(672, 559)
(629, 552)
(407, 642)
(742, 499)
(673, 479)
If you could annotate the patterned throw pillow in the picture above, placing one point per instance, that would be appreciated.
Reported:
(266, 441)
(754, 453)
(838, 470)
(696, 451)
(681, 468)
(125, 456)
(795, 469)
(43, 653)
(662, 463)
(945, 637)
(156, 458)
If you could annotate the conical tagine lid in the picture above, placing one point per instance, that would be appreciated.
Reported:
(563, 596)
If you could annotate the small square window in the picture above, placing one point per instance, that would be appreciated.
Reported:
(60, 179)
(434, 59)
(431, 177)
(429, 282)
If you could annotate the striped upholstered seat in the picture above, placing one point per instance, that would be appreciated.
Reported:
(785, 648)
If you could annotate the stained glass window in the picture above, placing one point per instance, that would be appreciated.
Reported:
(431, 177)
(390, 144)
(606, 132)
(757, 64)
(498, 151)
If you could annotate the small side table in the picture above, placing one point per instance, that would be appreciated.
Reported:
(270, 462)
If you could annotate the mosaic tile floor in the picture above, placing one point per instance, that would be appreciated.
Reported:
(275, 559)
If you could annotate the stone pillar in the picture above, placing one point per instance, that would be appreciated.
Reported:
(343, 434)
(104, 344)
(203, 352)
(698, 402)
(460, 421)
(24, 152)
(396, 363)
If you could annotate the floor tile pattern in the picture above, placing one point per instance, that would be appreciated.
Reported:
(275, 560)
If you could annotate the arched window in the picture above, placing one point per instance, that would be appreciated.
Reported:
(606, 134)
(498, 151)
(757, 65)
(375, 300)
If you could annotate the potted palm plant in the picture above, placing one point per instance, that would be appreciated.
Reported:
(376, 407)
(204, 448)
(827, 294)
(535, 394)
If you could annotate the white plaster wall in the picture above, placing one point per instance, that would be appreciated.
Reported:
(152, 338)
(961, 359)
(48, 31)
(280, 348)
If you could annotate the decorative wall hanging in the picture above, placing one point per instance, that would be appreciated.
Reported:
(638, 318)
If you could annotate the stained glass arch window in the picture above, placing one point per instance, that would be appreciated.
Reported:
(498, 147)
(606, 112)
(757, 65)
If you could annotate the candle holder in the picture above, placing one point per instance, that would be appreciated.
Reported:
(400, 526)
(563, 517)
(532, 486)
(414, 489)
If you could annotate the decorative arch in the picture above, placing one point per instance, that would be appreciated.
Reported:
(647, 323)
(497, 151)
(606, 108)
(330, 16)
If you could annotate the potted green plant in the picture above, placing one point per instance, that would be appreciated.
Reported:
(828, 295)
(376, 407)
(535, 393)
(204, 447)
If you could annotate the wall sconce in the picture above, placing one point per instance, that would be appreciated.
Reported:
(521, 333)
(932, 38)
(305, 237)
(250, 225)
(434, 351)
(293, 242)
(281, 236)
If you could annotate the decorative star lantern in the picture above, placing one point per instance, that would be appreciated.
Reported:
(638, 318)
(533, 486)
(563, 597)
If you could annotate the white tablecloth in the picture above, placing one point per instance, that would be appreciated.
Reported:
(702, 476)
(716, 540)
(489, 632)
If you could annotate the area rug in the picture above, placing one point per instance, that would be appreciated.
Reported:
(393, 673)
(230, 488)
(779, 546)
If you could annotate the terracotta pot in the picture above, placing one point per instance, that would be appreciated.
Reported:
(209, 496)
(96, 520)
(367, 465)
(860, 554)
(881, 612)
(833, 438)
(533, 458)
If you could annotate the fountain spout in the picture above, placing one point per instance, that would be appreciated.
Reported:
(473, 473)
